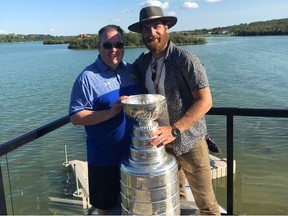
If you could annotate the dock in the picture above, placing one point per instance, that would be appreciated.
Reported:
(80, 171)
(219, 167)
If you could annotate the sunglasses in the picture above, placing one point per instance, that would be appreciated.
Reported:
(107, 45)
(154, 71)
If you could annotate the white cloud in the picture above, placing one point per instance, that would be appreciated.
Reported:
(212, 1)
(2, 31)
(128, 11)
(163, 5)
(52, 29)
(172, 13)
(116, 19)
(190, 5)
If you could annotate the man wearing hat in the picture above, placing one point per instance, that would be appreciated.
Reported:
(181, 77)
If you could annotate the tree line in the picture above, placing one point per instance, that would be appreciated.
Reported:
(197, 36)
(89, 41)
(262, 28)
(272, 27)
(134, 40)
(14, 38)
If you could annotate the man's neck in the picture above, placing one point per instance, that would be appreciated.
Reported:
(157, 56)
(160, 54)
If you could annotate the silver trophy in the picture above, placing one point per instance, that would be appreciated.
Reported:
(149, 176)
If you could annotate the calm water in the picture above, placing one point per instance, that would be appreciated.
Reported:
(249, 72)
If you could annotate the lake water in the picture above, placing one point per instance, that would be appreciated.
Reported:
(250, 72)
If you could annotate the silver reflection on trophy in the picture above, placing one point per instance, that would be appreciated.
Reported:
(149, 176)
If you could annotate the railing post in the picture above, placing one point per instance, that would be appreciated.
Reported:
(3, 209)
(230, 164)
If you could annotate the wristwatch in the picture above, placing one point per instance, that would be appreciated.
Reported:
(175, 131)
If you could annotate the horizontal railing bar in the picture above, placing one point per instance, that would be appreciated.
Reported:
(32, 135)
(248, 112)
(35, 134)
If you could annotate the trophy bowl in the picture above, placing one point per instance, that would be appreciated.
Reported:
(144, 108)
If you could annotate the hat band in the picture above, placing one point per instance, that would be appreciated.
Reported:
(152, 17)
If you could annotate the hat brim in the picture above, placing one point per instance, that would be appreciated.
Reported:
(170, 21)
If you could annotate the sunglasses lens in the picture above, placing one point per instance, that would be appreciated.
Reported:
(110, 45)
(107, 45)
(119, 45)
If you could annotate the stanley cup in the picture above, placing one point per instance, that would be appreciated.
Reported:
(149, 176)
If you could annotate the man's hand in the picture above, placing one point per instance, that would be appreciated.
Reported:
(162, 136)
(117, 107)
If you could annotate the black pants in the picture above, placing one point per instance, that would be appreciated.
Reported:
(104, 186)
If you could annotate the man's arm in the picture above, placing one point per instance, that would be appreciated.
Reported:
(90, 117)
(203, 103)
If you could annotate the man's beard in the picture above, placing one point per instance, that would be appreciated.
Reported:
(159, 45)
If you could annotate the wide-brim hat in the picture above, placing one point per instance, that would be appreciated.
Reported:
(152, 13)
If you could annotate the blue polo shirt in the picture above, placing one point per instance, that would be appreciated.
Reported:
(97, 88)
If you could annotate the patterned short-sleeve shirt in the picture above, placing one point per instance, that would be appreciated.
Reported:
(184, 73)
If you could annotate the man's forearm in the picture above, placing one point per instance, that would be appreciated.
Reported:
(203, 103)
(90, 117)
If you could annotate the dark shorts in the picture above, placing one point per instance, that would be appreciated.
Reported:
(104, 186)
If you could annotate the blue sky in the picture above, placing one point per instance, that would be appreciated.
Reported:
(73, 17)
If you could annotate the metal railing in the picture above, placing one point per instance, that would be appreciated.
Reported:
(22, 140)
(230, 113)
